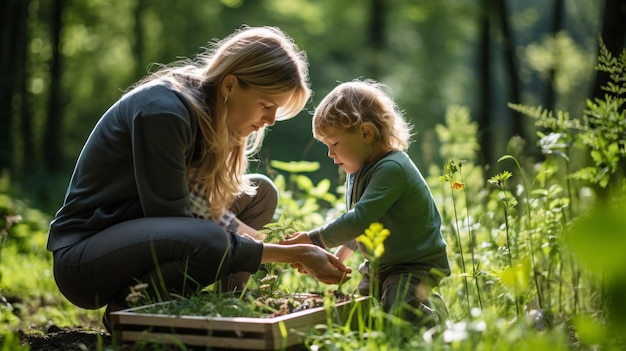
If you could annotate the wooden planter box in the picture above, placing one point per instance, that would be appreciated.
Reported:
(229, 333)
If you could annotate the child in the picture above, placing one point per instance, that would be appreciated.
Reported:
(367, 137)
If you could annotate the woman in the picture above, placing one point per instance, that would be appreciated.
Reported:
(171, 153)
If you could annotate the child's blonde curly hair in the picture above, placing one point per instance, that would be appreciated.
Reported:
(351, 104)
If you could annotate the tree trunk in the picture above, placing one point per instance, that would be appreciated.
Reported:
(376, 36)
(52, 137)
(25, 109)
(13, 14)
(511, 66)
(138, 51)
(484, 115)
(557, 25)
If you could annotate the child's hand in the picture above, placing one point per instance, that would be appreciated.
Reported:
(297, 238)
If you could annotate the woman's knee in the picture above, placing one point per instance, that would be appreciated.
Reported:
(266, 189)
(209, 240)
(203, 255)
(257, 210)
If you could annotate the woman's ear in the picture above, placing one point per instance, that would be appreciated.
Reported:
(369, 132)
(228, 83)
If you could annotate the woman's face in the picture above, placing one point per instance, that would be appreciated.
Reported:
(249, 110)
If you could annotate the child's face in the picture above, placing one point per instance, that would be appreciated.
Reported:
(349, 150)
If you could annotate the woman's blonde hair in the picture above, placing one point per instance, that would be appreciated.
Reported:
(262, 58)
(351, 104)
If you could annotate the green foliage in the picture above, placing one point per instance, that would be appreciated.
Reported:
(251, 303)
(279, 230)
(300, 198)
(607, 221)
(560, 55)
(459, 135)
(522, 241)
(12, 342)
(268, 278)
(105, 47)
(459, 143)
(27, 288)
(374, 239)
(8, 319)
(578, 240)
(604, 134)
(501, 282)
(546, 269)
(546, 118)
(547, 218)
(596, 238)
(23, 234)
(602, 131)
(206, 304)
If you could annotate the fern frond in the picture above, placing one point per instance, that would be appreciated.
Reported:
(545, 118)
(536, 112)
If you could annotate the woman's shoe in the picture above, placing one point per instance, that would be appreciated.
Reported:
(106, 317)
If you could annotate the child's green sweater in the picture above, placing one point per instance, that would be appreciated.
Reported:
(391, 191)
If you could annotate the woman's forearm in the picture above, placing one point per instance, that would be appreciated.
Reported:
(319, 263)
(279, 253)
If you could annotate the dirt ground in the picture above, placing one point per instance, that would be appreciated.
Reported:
(70, 339)
(78, 339)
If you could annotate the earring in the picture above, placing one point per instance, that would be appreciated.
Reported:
(225, 99)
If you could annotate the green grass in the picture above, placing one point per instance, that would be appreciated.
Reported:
(536, 249)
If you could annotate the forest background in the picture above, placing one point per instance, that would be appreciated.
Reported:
(63, 63)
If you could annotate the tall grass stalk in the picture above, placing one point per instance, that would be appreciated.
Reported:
(373, 240)
(557, 145)
(450, 170)
(529, 228)
(499, 180)
(475, 262)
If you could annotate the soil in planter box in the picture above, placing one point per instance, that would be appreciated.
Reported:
(249, 304)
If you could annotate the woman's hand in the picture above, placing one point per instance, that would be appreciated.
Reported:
(322, 265)
(313, 260)
(297, 238)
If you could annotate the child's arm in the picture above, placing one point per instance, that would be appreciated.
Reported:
(343, 252)
(245, 229)
(297, 238)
